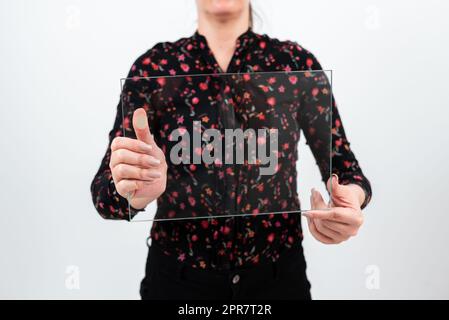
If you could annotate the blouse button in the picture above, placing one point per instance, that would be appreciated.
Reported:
(236, 279)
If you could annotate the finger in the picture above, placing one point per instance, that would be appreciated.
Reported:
(141, 128)
(335, 236)
(333, 188)
(341, 228)
(130, 144)
(333, 184)
(319, 214)
(341, 195)
(130, 188)
(126, 187)
(317, 201)
(125, 171)
(132, 158)
(338, 214)
(316, 234)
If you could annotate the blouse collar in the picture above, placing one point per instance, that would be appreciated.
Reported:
(199, 41)
(245, 42)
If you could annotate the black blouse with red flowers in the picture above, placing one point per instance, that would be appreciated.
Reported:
(225, 242)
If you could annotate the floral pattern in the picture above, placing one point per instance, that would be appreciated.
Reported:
(203, 190)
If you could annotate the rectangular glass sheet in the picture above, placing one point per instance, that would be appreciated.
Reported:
(245, 144)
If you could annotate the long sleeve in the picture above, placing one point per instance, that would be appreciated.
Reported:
(107, 201)
(314, 115)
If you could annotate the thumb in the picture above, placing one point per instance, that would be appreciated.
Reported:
(341, 194)
(317, 201)
(334, 187)
(141, 128)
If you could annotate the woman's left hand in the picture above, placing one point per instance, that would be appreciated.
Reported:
(344, 217)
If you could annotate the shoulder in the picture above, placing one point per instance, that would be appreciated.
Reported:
(156, 60)
(300, 57)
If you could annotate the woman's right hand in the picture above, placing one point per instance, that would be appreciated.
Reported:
(138, 166)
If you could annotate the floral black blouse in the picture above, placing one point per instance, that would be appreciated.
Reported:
(201, 190)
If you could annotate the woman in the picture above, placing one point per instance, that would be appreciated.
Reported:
(233, 257)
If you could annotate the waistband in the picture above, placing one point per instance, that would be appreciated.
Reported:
(158, 260)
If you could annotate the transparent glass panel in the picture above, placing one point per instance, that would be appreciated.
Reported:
(235, 144)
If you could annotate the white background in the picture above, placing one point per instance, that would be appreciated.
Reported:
(61, 62)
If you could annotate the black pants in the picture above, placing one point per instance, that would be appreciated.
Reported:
(168, 279)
